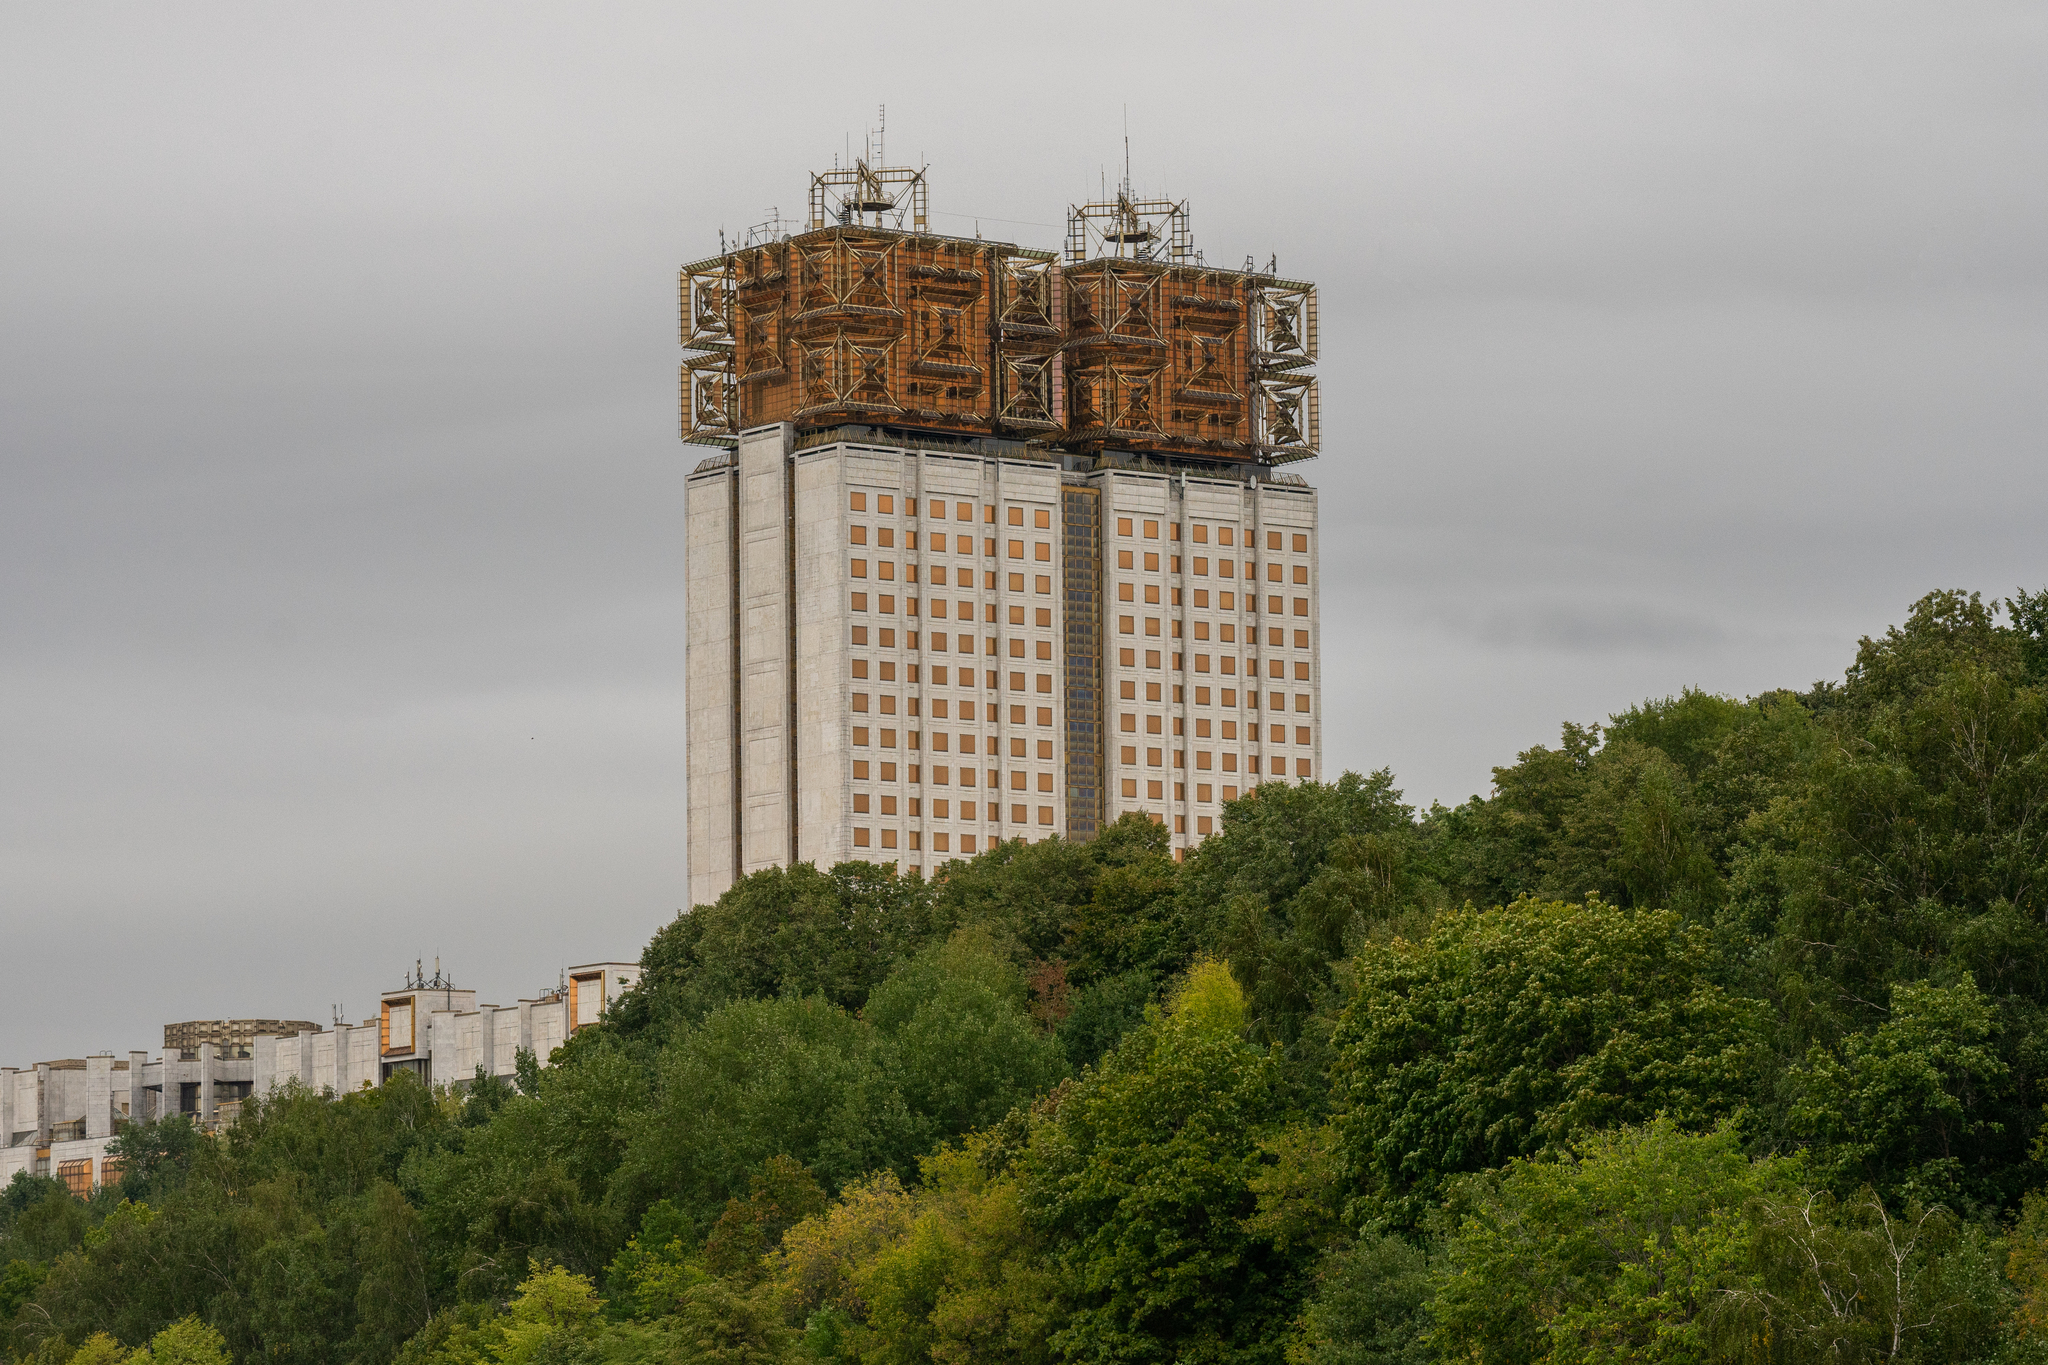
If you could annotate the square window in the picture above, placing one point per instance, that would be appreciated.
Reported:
(1130, 787)
(1128, 755)
(1123, 526)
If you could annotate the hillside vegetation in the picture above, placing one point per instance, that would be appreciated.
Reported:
(1716, 1032)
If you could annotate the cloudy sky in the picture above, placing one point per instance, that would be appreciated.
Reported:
(340, 498)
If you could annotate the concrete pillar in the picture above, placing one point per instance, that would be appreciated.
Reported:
(487, 1039)
(207, 1066)
(99, 1095)
(7, 1075)
(711, 668)
(440, 1047)
(138, 1093)
(767, 649)
(263, 1064)
(42, 1103)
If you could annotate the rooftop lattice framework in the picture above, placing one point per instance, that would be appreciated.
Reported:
(1126, 340)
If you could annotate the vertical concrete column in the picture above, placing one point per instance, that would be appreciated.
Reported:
(263, 1064)
(7, 1075)
(767, 650)
(441, 1068)
(487, 1039)
(99, 1095)
(711, 672)
(42, 1104)
(208, 1064)
(823, 619)
(138, 1092)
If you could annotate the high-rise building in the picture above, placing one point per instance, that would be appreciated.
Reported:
(998, 544)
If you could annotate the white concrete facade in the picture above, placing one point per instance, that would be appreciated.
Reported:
(935, 650)
(57, 1118)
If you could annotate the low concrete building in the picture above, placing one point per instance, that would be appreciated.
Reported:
(440, 1033)
(57, 1117)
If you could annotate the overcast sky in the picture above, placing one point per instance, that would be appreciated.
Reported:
(341, 502)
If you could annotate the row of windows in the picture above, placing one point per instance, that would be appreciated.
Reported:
(940, 708)
(1225, 568)
(935, 508)
(885, 604)
(864, 837)
(940, 741)
(1041, 519)
(941, 775)
(1206, 759)
(887, 803)
(885, 669)
(1199, 566)
(1199, 533)
(1019, 748)
(937, 741)
(1205, 794)
(1275, 606)
(886, 638)
(1128, 722)
(885, 538)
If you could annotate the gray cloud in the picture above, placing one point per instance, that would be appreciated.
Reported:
(340, 547)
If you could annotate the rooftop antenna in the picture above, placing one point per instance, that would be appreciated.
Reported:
(1127, 151)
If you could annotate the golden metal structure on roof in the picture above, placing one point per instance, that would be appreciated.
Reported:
(1125, 341)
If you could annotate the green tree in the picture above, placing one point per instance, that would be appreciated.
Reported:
(957, 1042)
(1857, 1281)
(1292, 880)
(187, 1341)
(1913, 1106)
(1508, 1031)
(1141, 1182)
(1624, 1248)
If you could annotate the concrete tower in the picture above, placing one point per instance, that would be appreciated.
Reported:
(997, 544)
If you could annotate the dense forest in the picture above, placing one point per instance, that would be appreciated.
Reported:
(1718, 1031)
